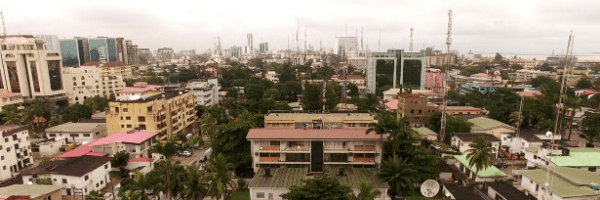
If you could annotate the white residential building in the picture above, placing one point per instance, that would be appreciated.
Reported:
(78, 132)
(88, 81)
(463, 141)
(15, 150)
(206, 92)
(562, 183)
(272, 76)
(525, 75)
(526, 63)
(77, 175)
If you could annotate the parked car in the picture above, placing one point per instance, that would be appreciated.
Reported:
(202, 167)
(186, 153)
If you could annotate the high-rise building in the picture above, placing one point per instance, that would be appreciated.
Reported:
(113, 68)
(165, 54)
(149, 108)
(263, 47)
(70, 52)
(187, 54)
(393, 68)
(236, 51)
(346, 45)
(84, 50)
(206, 92)
(132, 53)
(145, 56)
(32, 71)
(122, 50)
(50, 40)
(102, 49)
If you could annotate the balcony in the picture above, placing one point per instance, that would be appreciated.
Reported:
(367, 148)
(297, 148)
(270, 148)
(364, 160)
(270, 159)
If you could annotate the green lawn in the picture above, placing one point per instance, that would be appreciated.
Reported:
(241, 194)
(114, 174)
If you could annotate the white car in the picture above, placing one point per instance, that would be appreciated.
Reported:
(186, 153)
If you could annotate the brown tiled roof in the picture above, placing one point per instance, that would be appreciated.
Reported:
(290, 133)
(92, 64)
(10, 130)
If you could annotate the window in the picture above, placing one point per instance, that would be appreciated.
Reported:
(592, 169)
(141, 118)
(64, 180)
(125, 110)
(87, 177)
(4, 167)
(14, 137)
(6, 139)
(86, 135)
(68, 191)
(52, 135)
(74, 135)
(1, 157)
(128, 125)
(260, 195)
(126, 118)
(106, 166)
(412, 110)
(121, 117)
(420, 111)
(7, 149)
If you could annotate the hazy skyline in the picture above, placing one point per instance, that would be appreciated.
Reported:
(482, 26)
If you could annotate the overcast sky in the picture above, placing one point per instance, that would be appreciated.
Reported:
(520, 26)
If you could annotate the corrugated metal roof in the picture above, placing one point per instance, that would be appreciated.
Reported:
(568, 182)
(486, 173)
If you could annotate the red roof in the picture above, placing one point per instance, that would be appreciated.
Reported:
(392, 104)
(20, 40)
(287, 133)
(95, 154)
(141, 160)
(108, 64)
(135, 138)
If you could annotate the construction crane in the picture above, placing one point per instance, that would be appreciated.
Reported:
(410, 48)
(445, 80)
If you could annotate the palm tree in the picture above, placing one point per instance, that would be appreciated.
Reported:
(168, 149)
(177, 180)
(383, 126)
(166, 169)
(195, 187)
(209, 125)
(94, 195)
(399, 174)
(367, 192)
(157, 182)
(35, 112)
(481, 155)
(219, 176)
(401, 133)
(138, 184)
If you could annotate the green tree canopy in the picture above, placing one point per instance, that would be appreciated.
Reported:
(481, 155)
(319, 188)
(76, 112)
(120, 159)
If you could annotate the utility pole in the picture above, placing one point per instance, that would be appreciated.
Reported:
(3, 25)
(442, 135)
(410, 48)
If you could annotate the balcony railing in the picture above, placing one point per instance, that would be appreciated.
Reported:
(364, 148)
(270, 159)
(337, 149)
(298, 148)
(364, 160)
(270, 148)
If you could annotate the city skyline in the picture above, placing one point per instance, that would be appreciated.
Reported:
(497, 26)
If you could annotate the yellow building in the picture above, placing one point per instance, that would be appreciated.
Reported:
(165, 113)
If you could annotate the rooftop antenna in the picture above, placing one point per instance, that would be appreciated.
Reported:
(442, 135)
(346, 41)
(410, 48)
(362, 35)
(305, 38)
(3, 24)
(379, 43)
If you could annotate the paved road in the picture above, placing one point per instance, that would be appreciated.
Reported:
(186, 161)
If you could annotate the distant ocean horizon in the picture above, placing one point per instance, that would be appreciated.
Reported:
(542, 56)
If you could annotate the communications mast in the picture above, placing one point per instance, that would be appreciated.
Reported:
(445, 82)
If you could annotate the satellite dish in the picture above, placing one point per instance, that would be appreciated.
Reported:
(134, 97)
(430, 188)
(548, 134)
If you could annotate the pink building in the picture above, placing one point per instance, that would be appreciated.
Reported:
(434, 82)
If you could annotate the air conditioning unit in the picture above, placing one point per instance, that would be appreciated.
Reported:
(256, 153)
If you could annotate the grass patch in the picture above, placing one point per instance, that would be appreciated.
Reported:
(241, 194)
(114, 174)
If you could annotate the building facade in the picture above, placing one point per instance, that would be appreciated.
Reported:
(69, 50)
(145, 56)
(416, 107)
(29, 69)
(51, 41)
(8, 99)
(15, 151)
(77, 132)
(102, 49)
(406, 68)
(440, 60)
(113, 69)
(206, 92)
(165, 113)
(435, 82)
(318, 120)
(89, 81)
(165, 54)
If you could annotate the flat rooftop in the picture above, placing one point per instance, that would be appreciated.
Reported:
(566, 182)
(311, 134)
(317, 112)
(74, 127)
(578, 157)
(69, 167)
(33, 191)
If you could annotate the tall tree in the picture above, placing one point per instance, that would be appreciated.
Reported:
(498, 57)
(195, 186)
(367, 192)
(209, 125)
(399, 174)
(218, 173)
(385, 125)
(120, 160)
(11, 115)
(168, 149)
(591, 125)
(94, 195)
(140, 183)
(166, 170)
(323, 187)
(481, 155)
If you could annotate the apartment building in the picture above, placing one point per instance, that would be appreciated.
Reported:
(165, 54)
(113, 69)
(526, 63)
(147, 108)
(9, 98)
(279, 154)
(15, 150)
(318, 120)
(440, 60)
(27, 68)
(89, 81)
(272, 76)
(77, 132)
(206, 92)
(416, 107)
(79, 175)
(525, 75)
(434, 81)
